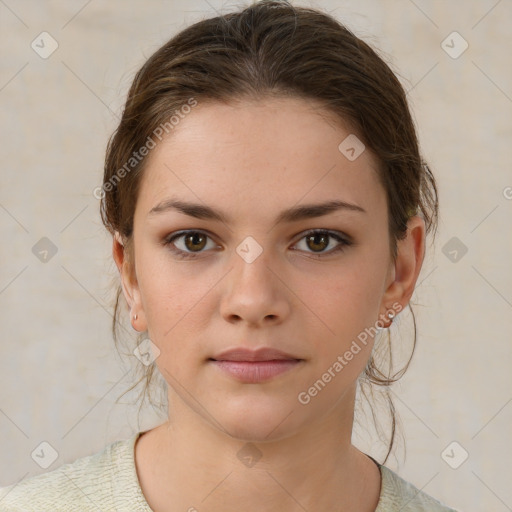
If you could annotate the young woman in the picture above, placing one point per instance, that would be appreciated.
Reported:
(269, 207)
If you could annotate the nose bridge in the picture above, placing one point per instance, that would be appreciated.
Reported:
(251, 276)
(253, 292)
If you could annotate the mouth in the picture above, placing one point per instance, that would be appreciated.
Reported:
(254, 366)
(264, 354)
(253, 372)
(229, 360)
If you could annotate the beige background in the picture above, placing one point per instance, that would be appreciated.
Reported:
(60, 374)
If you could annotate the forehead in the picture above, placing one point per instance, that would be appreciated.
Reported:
(258, 156)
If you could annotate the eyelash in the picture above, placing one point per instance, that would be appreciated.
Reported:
(343, 242)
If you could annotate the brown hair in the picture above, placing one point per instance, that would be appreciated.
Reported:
(272, 48)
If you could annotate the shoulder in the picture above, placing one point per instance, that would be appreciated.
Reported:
(398, 494)
(90, 483)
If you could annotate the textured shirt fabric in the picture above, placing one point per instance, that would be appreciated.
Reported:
(107, 482)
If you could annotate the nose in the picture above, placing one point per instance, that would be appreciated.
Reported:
(254, 293)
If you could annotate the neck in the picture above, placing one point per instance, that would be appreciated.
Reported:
(195, 465)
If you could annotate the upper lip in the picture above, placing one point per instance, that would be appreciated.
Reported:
(245, 354)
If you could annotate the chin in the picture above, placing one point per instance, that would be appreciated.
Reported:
(257, 422)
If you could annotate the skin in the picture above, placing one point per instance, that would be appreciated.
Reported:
(253, 160)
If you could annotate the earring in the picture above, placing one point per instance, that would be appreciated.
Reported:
(391, 315)
(134, 318)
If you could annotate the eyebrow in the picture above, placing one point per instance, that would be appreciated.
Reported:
(296, 213)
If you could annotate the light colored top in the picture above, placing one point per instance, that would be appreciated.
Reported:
(107, 481)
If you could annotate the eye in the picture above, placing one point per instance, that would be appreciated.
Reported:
(318, 240)
(188, 243)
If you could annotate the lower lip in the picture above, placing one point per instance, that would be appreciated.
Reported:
(256, 371)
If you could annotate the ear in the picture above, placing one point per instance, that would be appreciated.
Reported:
(403, 273)
(129, 283)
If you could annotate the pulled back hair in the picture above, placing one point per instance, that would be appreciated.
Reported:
(273, 49)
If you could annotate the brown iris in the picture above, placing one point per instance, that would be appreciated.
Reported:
(194, 238)
(316, 245)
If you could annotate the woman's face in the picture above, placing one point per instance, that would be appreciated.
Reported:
(255, 178)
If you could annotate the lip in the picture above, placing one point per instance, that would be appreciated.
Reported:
(254, 366)
(253, 372)
(247, 355)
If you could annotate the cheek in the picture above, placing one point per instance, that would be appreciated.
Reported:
(164, 299)
(177, 308)
(167, 287)
(347, 303)
(342, 303)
